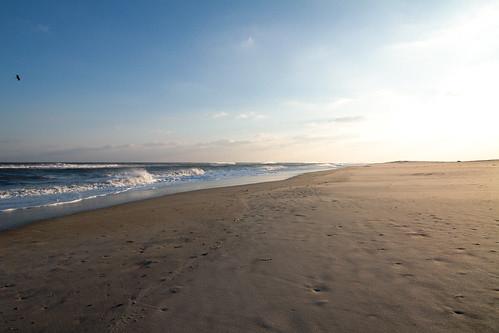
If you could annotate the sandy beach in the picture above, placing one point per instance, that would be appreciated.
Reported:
(395, 247)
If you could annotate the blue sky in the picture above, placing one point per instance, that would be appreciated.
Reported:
(348, 81)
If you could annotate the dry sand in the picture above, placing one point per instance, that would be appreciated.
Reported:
(397, 247)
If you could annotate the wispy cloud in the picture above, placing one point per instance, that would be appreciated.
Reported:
(251, 115)
(326, 122)
(248, 43)
(351, 119)
(469, 36)
(219, 115)
(241, 115)
(283, 146)
(42, 28)
(318, 107)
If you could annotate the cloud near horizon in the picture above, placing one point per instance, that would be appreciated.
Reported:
(219, 115)
(330, 81)
(250, 115)
(238, 150)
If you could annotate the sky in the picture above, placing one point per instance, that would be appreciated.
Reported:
(295, 81)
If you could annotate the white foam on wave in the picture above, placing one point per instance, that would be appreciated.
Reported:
(223, 163)
(188, 172)
(118, 181)
(175, 175)
(130, 178)
(60, 203)
(133, 177)
(271, 168)
(327, 165)
(52, 190)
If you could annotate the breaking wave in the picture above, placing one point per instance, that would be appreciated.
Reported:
(328, 165)
(223, 163)
(134, 177)
(28, 185)
(187, 172)
(272, 168)
(125, 179)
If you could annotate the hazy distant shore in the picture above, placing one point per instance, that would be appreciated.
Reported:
(396, 247)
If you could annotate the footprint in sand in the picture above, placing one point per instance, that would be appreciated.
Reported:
(418, 234)
(320, 302)
(319, 289)
(175, 290)
(261, 322)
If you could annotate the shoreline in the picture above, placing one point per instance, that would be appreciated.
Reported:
(382, 248)
(21, 217)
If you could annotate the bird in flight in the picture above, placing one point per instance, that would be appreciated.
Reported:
(18, 77)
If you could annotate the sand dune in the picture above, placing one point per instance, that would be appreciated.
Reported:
(397, 247)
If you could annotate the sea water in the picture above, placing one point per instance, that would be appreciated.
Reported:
(31, 191)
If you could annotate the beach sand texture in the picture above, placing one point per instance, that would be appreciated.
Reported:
(396, 247)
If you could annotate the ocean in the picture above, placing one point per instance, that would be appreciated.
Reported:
(33, 191)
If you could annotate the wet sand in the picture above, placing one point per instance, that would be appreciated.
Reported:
(396, 247)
